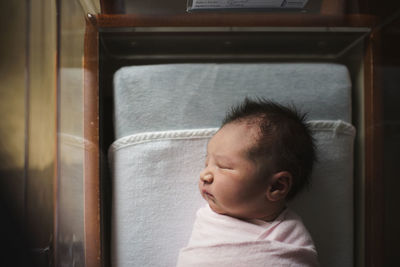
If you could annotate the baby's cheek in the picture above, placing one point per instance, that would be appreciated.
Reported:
(230, 193)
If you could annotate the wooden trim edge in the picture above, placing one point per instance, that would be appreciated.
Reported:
(374, 182)
(92, 154)
(235, 20)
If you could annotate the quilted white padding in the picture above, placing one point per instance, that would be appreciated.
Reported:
(191, 96)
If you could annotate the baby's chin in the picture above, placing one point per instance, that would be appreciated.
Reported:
(220, 211)
(217, 209)
(212, 202)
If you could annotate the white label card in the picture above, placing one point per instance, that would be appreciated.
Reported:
(217, 4)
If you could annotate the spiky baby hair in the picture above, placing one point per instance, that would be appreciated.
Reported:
(284, 137)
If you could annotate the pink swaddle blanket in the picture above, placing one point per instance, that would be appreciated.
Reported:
(219, 240)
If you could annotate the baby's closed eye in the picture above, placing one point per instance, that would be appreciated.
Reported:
(225, 166)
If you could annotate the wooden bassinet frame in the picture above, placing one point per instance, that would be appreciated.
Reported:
(370, 243)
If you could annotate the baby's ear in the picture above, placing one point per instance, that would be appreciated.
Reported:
(279, 186)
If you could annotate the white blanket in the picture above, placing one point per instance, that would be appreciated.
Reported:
(219, 240)
(155, 195)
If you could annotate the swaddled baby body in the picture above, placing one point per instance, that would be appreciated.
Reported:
(262, 156)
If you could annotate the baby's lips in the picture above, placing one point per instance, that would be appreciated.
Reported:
(205, 192)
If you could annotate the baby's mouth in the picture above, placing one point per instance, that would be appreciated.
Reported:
(208, 195)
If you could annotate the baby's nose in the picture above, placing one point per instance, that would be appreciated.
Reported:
(207, 178)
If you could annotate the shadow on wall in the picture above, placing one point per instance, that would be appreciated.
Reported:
(14, 238)
(17, 246)
(391, 168)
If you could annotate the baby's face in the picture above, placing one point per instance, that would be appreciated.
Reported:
(230, 181)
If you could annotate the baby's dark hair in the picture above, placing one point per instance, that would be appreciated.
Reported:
(285, 137)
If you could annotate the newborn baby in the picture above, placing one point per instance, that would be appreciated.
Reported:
(260, 158)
